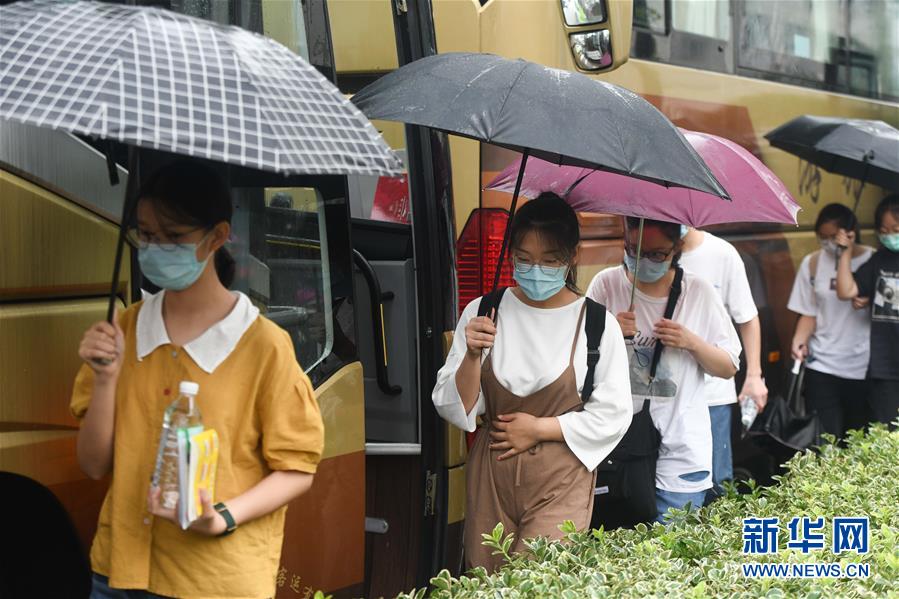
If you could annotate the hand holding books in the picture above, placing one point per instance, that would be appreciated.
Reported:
(183, 485)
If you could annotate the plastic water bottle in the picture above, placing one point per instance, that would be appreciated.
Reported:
(748, 411)
(183, 413)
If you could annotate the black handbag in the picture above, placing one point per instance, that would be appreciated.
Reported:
(626, 479)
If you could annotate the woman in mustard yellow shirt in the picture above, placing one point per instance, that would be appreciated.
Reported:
(252, 392)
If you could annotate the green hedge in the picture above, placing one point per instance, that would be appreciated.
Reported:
(700, 554)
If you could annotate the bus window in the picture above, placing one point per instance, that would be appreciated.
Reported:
(279, 241)
(300, 25)
(651, 14)
(805, 41)
(207, 9)
(874, 39)
(702, 17)
(694, 33)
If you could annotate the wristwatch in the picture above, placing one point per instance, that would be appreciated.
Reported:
(230, 524)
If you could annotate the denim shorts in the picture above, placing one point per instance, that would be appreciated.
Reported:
(673, 499)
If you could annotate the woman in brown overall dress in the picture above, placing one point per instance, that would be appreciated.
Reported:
(533, 460)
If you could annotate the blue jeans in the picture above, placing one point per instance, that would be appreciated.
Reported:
(101, 590)
(722, 456)
(672, 499)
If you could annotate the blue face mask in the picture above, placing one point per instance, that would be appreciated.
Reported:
(890, 241)
(539, 285)
(173, 267)
(684, 229)
(650, 271)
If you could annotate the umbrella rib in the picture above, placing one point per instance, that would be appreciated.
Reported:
(190, 88)
(156, 114)
(511, 87)
(203, 68)
(74, 95)
(468, 85)
(173, 100)
(135, 51)
(221, 89)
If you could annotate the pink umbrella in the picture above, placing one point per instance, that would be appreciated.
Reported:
(757, 194)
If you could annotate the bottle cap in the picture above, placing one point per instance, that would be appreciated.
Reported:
(189, 388)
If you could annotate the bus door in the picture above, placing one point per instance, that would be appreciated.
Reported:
(403, 241)
(292, 247)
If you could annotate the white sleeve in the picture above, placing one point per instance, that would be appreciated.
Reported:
(595, 290)
(446, 396)
(716, 324)
(594, 432)
(739, 300)
(802, 298)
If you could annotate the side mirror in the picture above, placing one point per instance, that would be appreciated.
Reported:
(599, 32)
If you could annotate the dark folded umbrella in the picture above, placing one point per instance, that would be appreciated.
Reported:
(857, 148)
(779, 426)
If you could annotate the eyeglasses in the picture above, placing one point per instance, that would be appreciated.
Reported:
(657, 256)
(525, 266)
(143, 239)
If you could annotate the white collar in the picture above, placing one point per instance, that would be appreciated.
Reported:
(208, 350)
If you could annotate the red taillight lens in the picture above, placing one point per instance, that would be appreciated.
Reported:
(477, 254)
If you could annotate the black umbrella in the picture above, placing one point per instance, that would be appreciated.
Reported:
(556, 115)
(857, 148)
(783, 431)
(152, 78)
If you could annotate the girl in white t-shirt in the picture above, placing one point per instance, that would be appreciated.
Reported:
(832, 336)
(699, 338)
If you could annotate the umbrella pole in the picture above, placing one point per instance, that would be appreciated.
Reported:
(637, 266)
(127, 208)
(502, 251)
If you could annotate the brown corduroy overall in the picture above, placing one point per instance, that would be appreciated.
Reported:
(533, 492)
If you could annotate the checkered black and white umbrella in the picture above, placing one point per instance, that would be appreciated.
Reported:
(156, 79)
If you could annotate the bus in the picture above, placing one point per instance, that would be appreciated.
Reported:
(368, 275)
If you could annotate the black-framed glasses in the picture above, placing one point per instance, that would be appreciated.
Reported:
(143, 239)
(525, 266)
(657, 256)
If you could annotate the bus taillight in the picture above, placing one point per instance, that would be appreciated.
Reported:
(477, 254)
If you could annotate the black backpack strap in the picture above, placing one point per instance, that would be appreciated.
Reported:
(673, 296)
(491, 302)
(595, 327)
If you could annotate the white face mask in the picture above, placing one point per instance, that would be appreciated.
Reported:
(828, 245)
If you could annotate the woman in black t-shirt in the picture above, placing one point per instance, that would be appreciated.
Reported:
(878, 280)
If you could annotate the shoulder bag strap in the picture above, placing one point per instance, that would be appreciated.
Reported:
(813, 266)
(673, 296)
(595, 326)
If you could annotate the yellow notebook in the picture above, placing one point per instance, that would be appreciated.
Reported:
(204, 454)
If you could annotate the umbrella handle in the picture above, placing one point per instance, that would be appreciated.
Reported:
(502, 251)
(130, 201)
(636, 266)
(127, 207)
